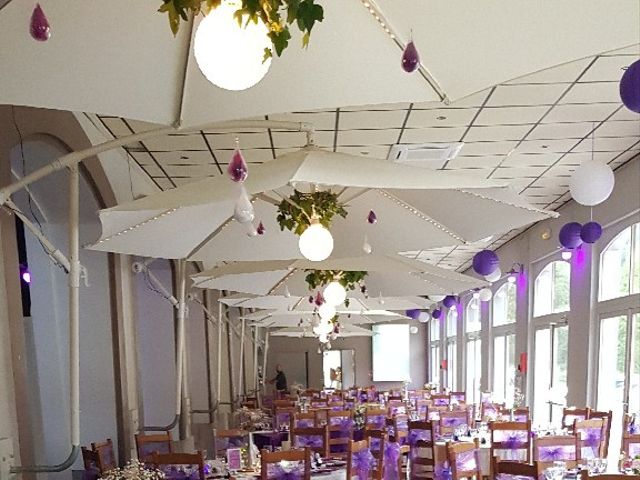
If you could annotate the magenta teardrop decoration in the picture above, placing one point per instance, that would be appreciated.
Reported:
(372, 218)
(238, 170)
(410, 58)
(310, 298)
(40, 29)
(319, 299)
(260, 229)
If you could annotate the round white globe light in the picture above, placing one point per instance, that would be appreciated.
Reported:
(323, 338)
(326, 311)
(494, 277)
(230, 56)
(437, 298)
(324, 328)
(591, 183)
(566, 255)
(485, 295)
(476, 295)
(424, 317)
(334, 294)
(413, 329)
(316, 243)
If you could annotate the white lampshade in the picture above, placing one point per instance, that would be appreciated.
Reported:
(437, 298)
(494, 277)
(324, 328)
(230, 56)
(323, 338)
(326, 311)
(334, 294)
(316, 243)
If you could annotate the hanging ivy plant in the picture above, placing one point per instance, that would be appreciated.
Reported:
(296, 212)
(277, 15)
(350, 280)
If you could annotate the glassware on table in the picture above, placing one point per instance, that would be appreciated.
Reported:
(556, 472)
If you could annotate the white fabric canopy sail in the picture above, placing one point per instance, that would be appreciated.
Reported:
(351, 60)
(416, 208)
(357, 302)
(388, 275)
(272, 318)
(346, 331)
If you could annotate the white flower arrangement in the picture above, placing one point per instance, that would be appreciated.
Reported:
(134, 470)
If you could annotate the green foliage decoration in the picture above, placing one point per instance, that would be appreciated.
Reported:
(296, 212)
(277, 15)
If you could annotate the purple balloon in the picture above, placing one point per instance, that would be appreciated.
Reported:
(413, 314)
(39, 27)
(591, 232)
(436, 314)
(630, 87)
(570, 235)
(449, 301)
(410, 58)
(485, 262)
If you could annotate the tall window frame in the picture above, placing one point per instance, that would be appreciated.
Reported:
(451, 348)
(503, 342)
(435, 333)
(473, 350)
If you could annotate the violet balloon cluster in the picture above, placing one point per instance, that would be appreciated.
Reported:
(573, 234)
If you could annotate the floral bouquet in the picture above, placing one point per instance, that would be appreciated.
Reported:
(632, 464)
(134, 470)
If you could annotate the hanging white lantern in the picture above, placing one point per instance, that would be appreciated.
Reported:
(437, 298)
(334, 294)
(494, 277)
(326, 311)
(316, 242)
(591, 183)
(231, 56)
(485, 294)
(324, 328)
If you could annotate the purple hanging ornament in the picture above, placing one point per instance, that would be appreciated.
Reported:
(237, 169)
(569, 235)
(410, 58)
(630, 87)
(310, 298)
(372, 217)
(319, 299)
(413, 313)
(437, 313)
(39, 28)
(449, 301)
(260, 229)
(591, 232)
(485, 262)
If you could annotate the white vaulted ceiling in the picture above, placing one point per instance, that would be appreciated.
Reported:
(533, 131)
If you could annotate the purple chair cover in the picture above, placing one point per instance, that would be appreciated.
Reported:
(515, 443)
(570, 419)
(632, 427)
(374, 444)
(391, 456)
(147, 449)
(283, 418)
(441, 402)
(288, 471)
(304, 423)
(318, 404)
(634, 449)
(442, 471)
(521, 417)
(180, 472)
(453, 421)
(376, 421)
(506, 476)
(344, 423)
(556, 453)
(466, 461)
(308, 441)
(591, 438)
(414, 437)
(362, 463)
(269, 439)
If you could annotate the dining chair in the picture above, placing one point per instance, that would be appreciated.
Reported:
(167, 461)
(225, 439)
(571, 414)
(556, 448)
(315, 439)
(282, 416)
(298, 464)
(458, 397)
(441, 399)
(91, 462)
(513, 470)
(514, 414)
(360, 461)
(106, 454)
(396, 406)
(398, 428)
(340, 432)
(591, 436)
(421, 408)
(375, 418)
(630, 424)
(631, 445)
(490, 411)
(377, 443)
(421, 450)
(283, 403)
(464, 460)
(510, 441)
(303, 420)
(608, 416)
(450, 420)
(146, 445)
(584, 475)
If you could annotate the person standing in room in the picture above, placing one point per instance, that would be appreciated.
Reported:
(280, 380)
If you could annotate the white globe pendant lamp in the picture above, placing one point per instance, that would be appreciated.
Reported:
(326, 311)
(334, 294)
(316, 242)
(229, 55)
(325, 328)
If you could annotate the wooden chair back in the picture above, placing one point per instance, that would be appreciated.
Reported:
(450, 420)
(315, 439)
(106, 454)
(301, 456)
(377, 441)
(464, 460)
(512, 469)
(458, 397)
(303, 420)
(374, 418)
(146, 445)
(570, 415)
(91, 461)
(398, 428)
(511, 441)
(547, 450)
(282, 416)
(630, 424)
(584, 475)
(608, 416)
(340, 432)
(489, 411)
(355, 448)
(591, 436)
(225, 439)
(160, 459)
(631, 445)
(421, 450)
(441, 399)
(514, 414)
(422, 406)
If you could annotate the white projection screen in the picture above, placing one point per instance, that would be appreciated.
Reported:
(390, 353)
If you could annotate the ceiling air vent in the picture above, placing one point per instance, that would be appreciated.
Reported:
(426, 155)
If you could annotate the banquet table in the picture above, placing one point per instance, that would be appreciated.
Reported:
(334, 474)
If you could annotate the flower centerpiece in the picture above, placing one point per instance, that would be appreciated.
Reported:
(134, 470)
(348, 280)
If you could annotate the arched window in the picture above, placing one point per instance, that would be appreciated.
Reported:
(551, 289)
(504, 305)
(452, 350)
(473, 351)
(434, 350)
(472, 316)
(620, 265)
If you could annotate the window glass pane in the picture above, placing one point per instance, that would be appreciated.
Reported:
(611, 375)
(434, 329)
(451, 365)
(615, 266)
(435, 363)
(635, 270)
(472, 316)
(504, 305)
(542, 377)
(559, 384)
(551, 289)
(634, 386)
(499, 350)
(474, 370)
(452, 323)
(510, 374)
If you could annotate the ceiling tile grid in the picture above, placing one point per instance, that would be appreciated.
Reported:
(532, 132)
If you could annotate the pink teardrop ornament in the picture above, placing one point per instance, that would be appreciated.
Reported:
(40, 29)
(260, 229)
(237, 169)
(372, 218)
(410, 58)
(319, 299)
